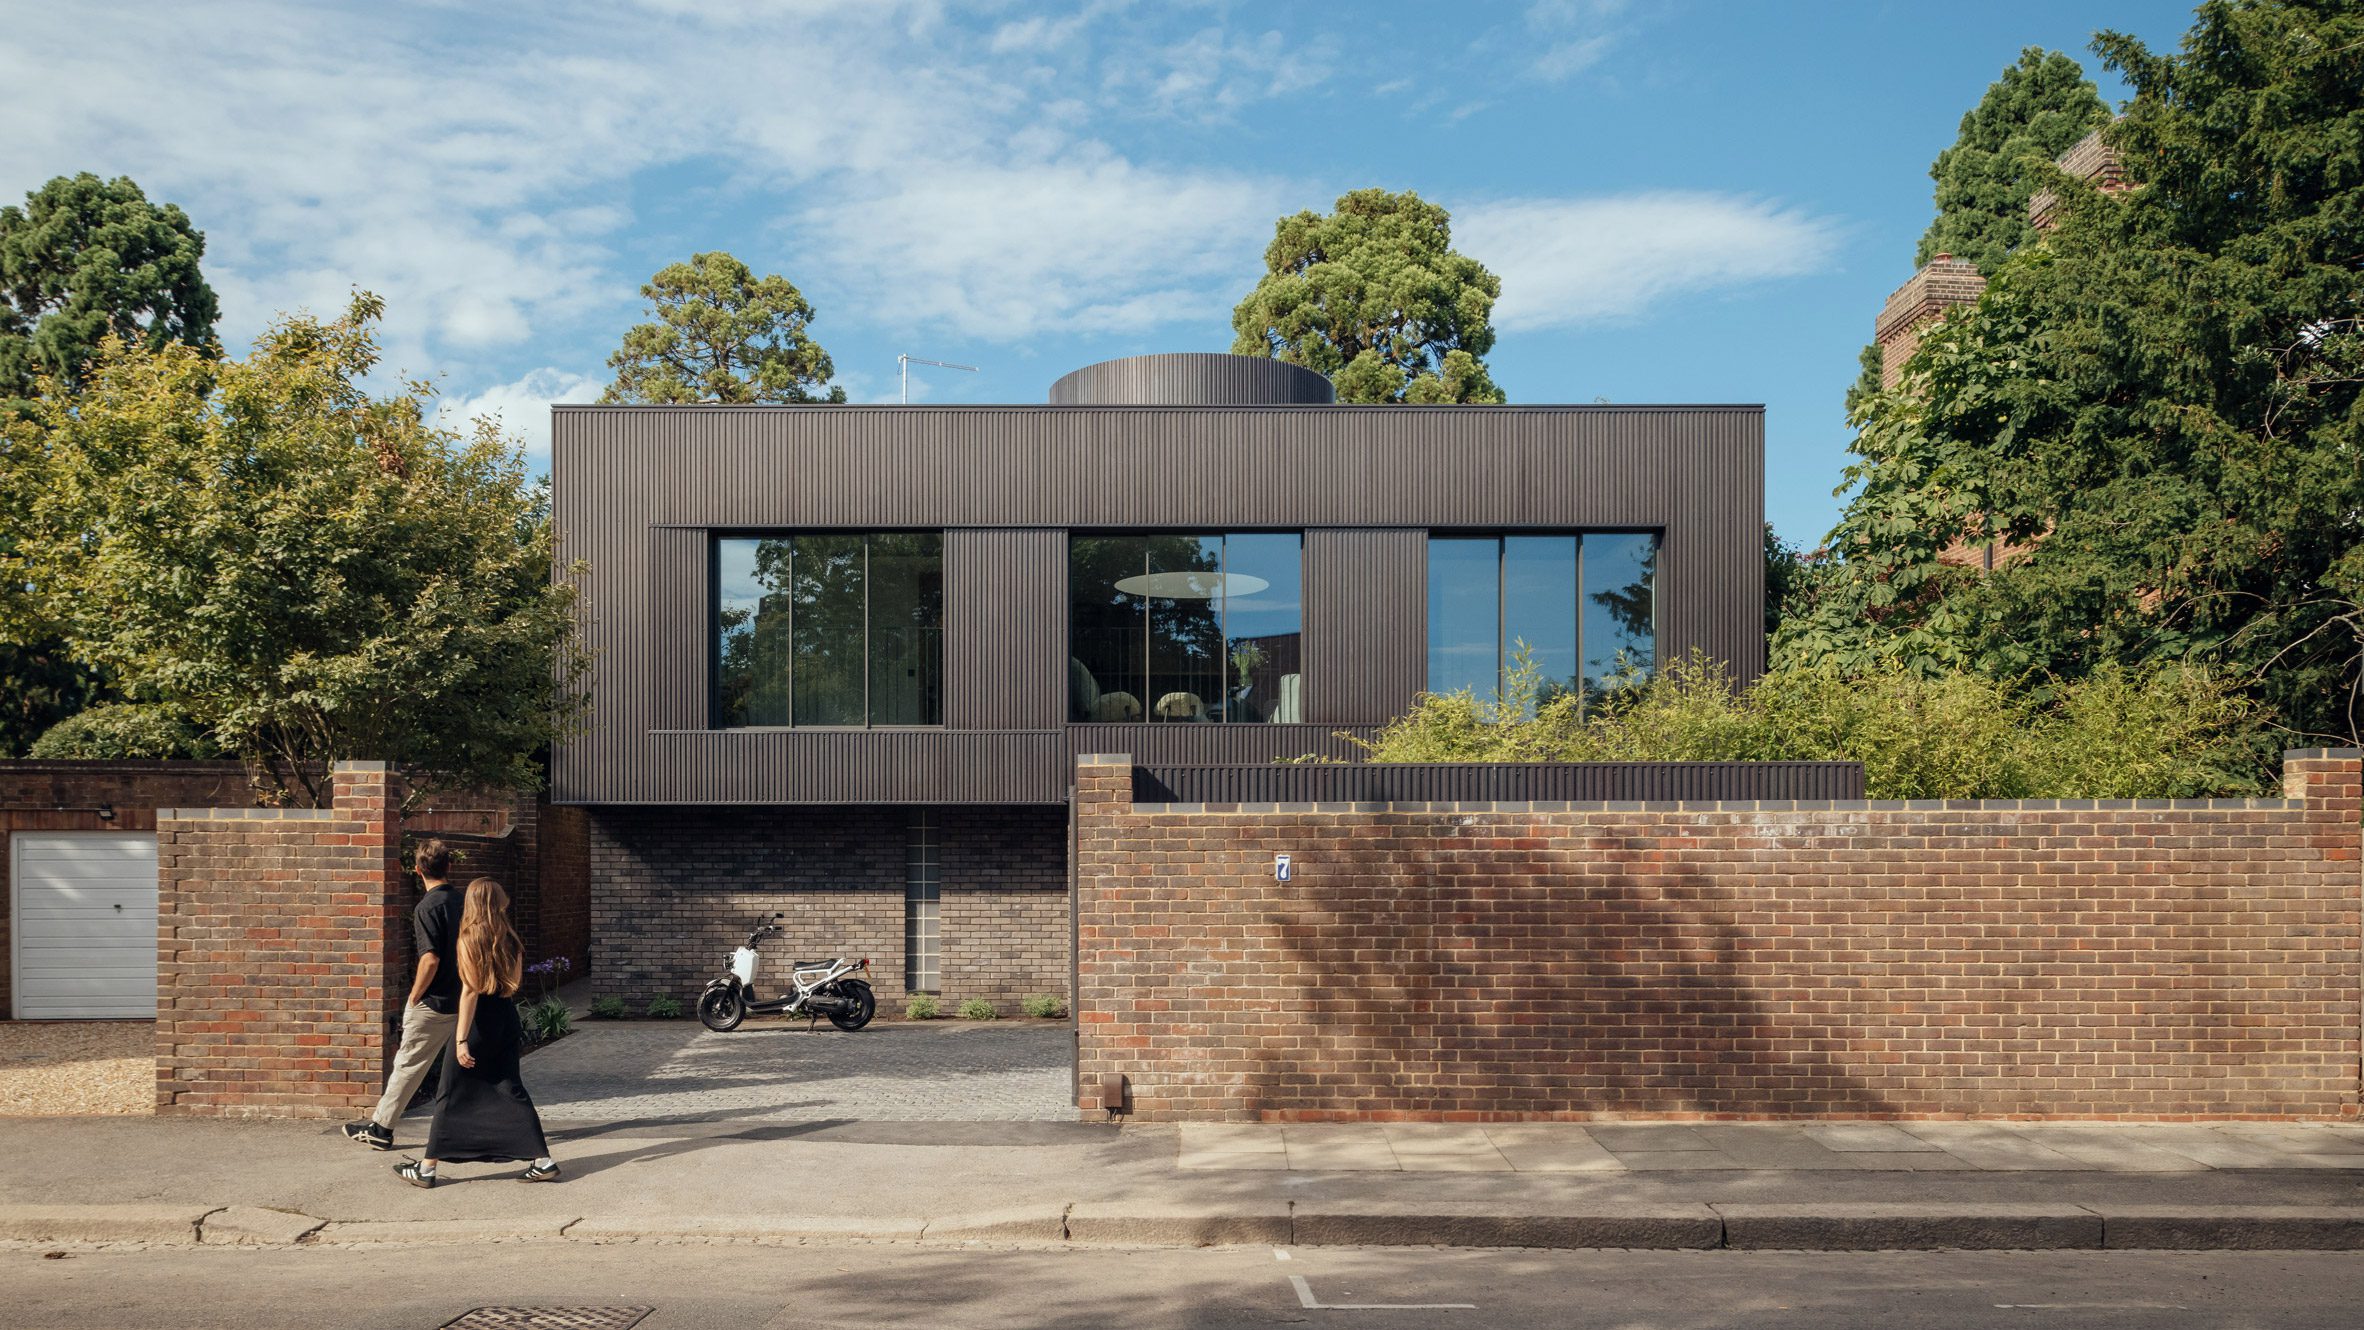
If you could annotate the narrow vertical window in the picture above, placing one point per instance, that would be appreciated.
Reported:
(1620, 608)
(923, 891)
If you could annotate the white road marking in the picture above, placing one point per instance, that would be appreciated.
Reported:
(1279, 1255)
(1305, 1298)
(2092, 1306)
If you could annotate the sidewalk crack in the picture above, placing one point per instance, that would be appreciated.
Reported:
(197, 1230)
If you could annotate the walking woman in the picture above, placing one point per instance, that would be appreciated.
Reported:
(482, 1112)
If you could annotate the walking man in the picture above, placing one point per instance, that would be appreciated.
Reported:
(434, 1005)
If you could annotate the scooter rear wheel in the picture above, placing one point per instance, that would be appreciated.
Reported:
(721, 1010)
(860, 1006)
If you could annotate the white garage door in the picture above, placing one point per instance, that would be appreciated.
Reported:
(84, 940)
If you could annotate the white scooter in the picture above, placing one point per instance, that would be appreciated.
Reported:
(817, 989)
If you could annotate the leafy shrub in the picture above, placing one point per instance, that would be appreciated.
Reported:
(922, 1007)
(122, 730)
(546, 1020)
(2115, 734)
(609, 1008)
(663, 1008)
(977, 1009)
(1044, 1004)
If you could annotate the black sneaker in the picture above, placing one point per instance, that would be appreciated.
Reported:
(369, 1133)
(410, 1171)
(534, 1173)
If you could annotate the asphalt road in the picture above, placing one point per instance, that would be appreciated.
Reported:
(872, 1286)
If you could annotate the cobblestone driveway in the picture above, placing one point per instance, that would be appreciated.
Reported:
(894, 1072)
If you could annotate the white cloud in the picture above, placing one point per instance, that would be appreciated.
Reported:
(1575, 35)
(522, 408)
(1092, 245)
(1569, 262)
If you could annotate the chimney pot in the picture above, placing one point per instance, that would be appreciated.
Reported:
(1943, 258)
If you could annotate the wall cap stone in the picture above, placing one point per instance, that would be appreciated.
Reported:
(1104, 759)
(2322, 754)
(245, 814)
(1756, 806)
(358, 768)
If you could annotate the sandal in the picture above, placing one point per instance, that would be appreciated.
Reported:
(410, 1171)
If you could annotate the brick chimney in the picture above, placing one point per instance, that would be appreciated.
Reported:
(1943, 284)
(2089, 160)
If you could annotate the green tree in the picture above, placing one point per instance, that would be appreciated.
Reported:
(1374, 296)
(86, 259)
(722, 334)
(303, 570)
(2159, 404)
(2037, 110)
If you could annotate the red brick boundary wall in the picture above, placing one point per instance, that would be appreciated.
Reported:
(2021, 959)
(279, 947)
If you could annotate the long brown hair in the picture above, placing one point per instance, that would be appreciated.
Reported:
(492, 959)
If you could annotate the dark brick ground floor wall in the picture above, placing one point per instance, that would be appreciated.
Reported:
(673, 890)
(2149, 960)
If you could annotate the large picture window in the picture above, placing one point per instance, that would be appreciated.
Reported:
(834, 628)
(1186, 628)
(1583, 607)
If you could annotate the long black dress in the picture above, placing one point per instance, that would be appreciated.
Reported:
(482, 1113)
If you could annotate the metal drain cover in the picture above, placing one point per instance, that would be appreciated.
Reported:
(550, 1318)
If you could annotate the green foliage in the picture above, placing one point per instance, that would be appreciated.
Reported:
(2159, 404)
(41, 685)
(609, 1008)
(2035, 112)
(664, 1008)
(722, 335)
(546, 1019)
(1787, 572)
(306, 571)
(119, 730)
(977, 1009)
(923, 1007)
(1374, 296)
(86, 259)
(1042, 1005)
(2117, 734)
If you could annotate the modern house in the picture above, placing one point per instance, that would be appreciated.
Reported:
(846, 656)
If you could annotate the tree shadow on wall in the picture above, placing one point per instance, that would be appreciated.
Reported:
(1540, 988)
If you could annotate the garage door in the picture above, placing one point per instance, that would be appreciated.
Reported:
(84, 940)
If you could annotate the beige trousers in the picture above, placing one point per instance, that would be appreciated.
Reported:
(424, 1035)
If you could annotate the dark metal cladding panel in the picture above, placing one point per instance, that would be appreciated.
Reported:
(1260, 745)
(1005, 630)
(680, 678)
(1192, 378)
(1497, 782)
(623, 473)
(1366, 624)
(858, 766)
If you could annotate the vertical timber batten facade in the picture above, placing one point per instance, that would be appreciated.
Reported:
(647, 496)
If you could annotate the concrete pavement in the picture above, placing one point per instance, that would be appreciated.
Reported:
(1653, 1185)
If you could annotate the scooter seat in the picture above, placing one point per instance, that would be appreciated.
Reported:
(814, 965)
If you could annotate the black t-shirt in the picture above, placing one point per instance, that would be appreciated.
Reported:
(436, 926)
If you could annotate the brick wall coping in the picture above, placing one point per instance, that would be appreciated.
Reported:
(130, 766)
(2321, 754)
(1754, 806)
(247, 814)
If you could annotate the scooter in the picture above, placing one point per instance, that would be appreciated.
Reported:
(817, 989)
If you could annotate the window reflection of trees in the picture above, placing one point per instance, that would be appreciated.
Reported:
(845, 629)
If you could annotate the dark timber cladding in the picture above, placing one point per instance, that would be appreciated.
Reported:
(641, 491)
(1499, 782)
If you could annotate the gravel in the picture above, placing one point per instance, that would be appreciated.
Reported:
(77, 1067)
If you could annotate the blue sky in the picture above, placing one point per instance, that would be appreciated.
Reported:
(1687, 201)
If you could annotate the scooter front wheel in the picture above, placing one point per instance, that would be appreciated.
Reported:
(721, 1010)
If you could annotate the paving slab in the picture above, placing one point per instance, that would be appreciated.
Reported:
(2231, 1227)
(1928, 1160)
(1424, 1160)
(2214, 1148)
(1231, 1138)
(1343, 1153)
(1232, 1159)
(1647, 1161)
(2118, 1154)
(1881, 1226)
(1167, 1225)
(101, 1223)
(1626, 1137)
(255, 1226)
(1561, 1152)
(1757, 1148)
(1997, 1149)
(1415, 1224)
(1871, 1136)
